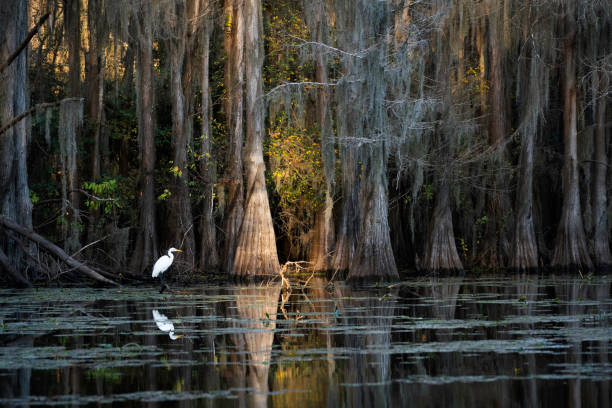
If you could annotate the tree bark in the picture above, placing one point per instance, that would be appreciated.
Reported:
(256, 251)
(209, 258)
(601, 239)
(234, 81)
(147, 244)
(570, 248)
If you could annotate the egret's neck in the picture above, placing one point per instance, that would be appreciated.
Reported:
(170, 255)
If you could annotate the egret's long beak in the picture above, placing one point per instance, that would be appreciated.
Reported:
(178, 250)
(178, 336)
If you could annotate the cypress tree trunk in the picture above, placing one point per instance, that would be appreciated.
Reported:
(348, 229)
(570, 248)
(441, 251)
(323, 240)
(147, 244)
(374, 253)
(72, 32)
(209, 258)
(373, 256)
(349, 117)
(601, 239)
(96, 61)
(256, 251)
(15, 201)
(495, 246)
(180, 221)
(525, 248)
(234, 81)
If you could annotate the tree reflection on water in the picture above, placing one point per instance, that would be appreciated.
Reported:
(487, 341)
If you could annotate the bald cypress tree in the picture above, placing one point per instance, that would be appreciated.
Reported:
(256, 250)
(570, 247)
(15, 203)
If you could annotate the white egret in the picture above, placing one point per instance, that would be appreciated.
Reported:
(162, 264)
(164, 324)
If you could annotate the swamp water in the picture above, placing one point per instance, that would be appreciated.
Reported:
(432, 342)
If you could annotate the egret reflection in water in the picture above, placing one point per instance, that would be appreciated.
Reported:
(164, 324)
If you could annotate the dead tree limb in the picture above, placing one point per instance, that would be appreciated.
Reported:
(17, 277)
(25, 42)
(17, 119)
(55, 250)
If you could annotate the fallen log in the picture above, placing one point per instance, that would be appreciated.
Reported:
(17, 277)
(55, 250)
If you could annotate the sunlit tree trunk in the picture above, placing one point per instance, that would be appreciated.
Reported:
(234, 82)
(147, 245)
(256, 250)
(209, 258)
(15, 201)
(601, 239)
(180, 221)
(570, 248)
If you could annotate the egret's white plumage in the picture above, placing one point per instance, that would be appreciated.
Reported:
(164, 324)
(164, 262)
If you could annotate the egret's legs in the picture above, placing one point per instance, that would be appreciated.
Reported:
(163, 284)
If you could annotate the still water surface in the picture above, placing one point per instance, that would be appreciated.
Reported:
(430, 342)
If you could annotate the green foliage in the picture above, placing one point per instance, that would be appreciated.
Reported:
(296, 169)
(427, 192)
(164, 196)
(34, 197)
(297, 175)
(102, 196)
(284, 31)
